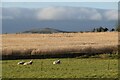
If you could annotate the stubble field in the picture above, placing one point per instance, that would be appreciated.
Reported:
(61, 43)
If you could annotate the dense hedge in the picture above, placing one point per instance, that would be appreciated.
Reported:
(61, 53)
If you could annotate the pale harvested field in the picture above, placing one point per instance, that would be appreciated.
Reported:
(59, 41)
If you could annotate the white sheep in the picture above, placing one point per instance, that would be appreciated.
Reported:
(21, 62)
(56, 62)
(28, 63)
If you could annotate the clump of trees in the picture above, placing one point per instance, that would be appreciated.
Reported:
(102, 29)
(118, 28)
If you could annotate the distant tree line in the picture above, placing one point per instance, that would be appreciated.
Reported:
(118, 28)
(102, 29)
(99, 29)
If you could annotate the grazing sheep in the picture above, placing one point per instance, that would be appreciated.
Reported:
(56, 62)
(28, 63)
(21, 62)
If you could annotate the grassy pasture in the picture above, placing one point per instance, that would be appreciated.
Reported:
(69, 68)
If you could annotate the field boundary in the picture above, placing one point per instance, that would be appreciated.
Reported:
(63, 53)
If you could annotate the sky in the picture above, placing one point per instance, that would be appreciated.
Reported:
(34, 13)
(60, 0)
(101, 5)
(61, 10)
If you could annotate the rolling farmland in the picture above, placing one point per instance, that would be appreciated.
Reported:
(26, 41)
(59, 40)
(69, 68)
(59, 43)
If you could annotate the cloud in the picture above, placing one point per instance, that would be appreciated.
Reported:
(18, 13)
(51, 13)
(96, 17)
(111, 15)
(66, 13)
(60, 13)
(90, 14)
(6, 17)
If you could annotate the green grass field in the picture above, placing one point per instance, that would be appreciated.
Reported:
(69, 68)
